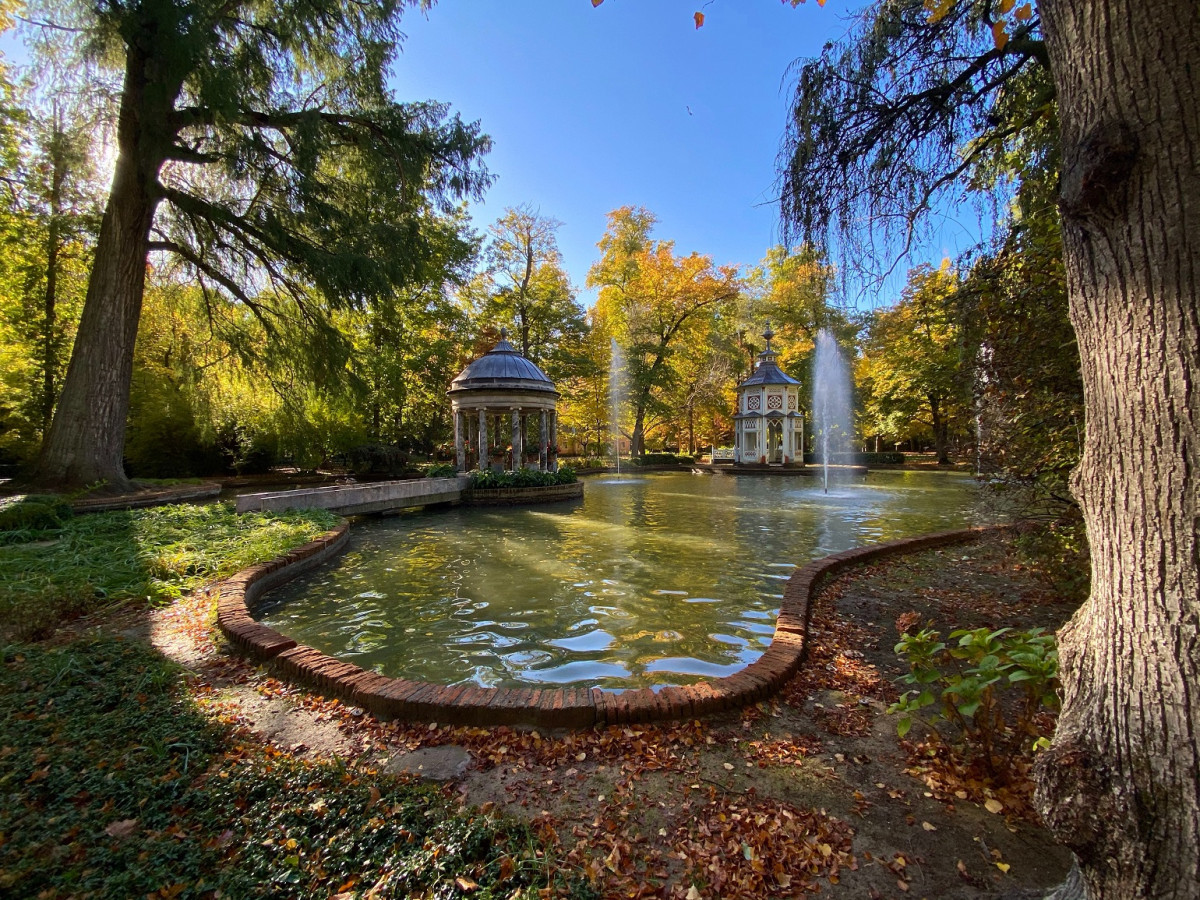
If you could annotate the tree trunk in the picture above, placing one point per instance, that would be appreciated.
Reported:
(941, 432)
(86, 441)
(1120, 786)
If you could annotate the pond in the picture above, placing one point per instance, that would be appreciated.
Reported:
(650, 580)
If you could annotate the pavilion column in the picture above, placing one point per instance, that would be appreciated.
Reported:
(460, 449)
(484, 463)
(544, 453)
(762, 438)
(518, 440)
(554, 441)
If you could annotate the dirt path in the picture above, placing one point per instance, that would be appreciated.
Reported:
(813, 788)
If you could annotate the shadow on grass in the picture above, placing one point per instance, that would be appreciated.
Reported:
(117, 785)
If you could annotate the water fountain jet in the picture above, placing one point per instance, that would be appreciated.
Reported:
(616, 395)
(831, 398)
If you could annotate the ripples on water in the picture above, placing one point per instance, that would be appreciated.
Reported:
(663, 579)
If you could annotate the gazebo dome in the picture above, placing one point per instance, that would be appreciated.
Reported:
(502, 369)
(767, 372)
(494, 401)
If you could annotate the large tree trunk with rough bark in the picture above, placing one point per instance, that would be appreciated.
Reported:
(1121, 784)
(86, 441)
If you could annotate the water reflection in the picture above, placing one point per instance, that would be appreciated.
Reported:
(651, 580)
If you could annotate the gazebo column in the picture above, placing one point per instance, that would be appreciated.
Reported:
(484, 463)
(554, 441)
(762, 439)
(518, 440)
(544, 444)
(460, 449)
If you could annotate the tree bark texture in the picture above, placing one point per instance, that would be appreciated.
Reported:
(86, 441)
(1121, 784)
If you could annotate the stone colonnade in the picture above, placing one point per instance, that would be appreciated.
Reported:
(471, 426)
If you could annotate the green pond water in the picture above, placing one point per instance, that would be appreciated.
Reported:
(649, 580)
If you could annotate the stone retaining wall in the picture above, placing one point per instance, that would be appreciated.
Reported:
(544, 708)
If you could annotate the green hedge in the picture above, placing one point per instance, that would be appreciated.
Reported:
(662, 459)
(522, 478)
(441, 470)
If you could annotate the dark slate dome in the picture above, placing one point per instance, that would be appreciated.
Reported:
(766, 372)
(502, 368)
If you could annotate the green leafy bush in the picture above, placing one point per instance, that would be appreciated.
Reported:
(441, 470)
(967, 681)
(662, 459)
(522, 478)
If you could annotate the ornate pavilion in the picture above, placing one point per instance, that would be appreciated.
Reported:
(496, 400)
(768, 426)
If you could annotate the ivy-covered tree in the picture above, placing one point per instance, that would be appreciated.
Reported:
(259, 144)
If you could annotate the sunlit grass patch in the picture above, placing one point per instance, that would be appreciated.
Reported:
(148, 555)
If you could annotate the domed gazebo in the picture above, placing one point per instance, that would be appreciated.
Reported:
(503, 385)
(768, 426)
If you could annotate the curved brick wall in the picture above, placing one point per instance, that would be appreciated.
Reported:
(546, 708)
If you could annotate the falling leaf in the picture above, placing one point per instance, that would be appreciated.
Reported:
(699, 17)
(993, 805)
(1025, 13)
(999, 35)
(375, 795)
(1003, 867)
(596, 3)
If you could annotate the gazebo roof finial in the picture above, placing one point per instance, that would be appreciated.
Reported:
(503, 332)
(768, 334)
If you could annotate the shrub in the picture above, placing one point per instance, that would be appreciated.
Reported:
(441, 470)
(379, 459)
(969, 679)
(662, 459)
(522, 478)
(857, 459)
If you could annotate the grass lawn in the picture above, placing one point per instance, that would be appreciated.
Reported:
(147, 555)
(115, 783)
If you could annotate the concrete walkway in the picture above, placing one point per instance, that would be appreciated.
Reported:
(359, 499)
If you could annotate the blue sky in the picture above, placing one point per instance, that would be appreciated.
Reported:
(625, 104)
(629, 104)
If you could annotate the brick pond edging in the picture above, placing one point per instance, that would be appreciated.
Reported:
(549, 707)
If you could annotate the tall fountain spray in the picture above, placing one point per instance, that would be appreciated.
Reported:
(616, 395)
(831, 399)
